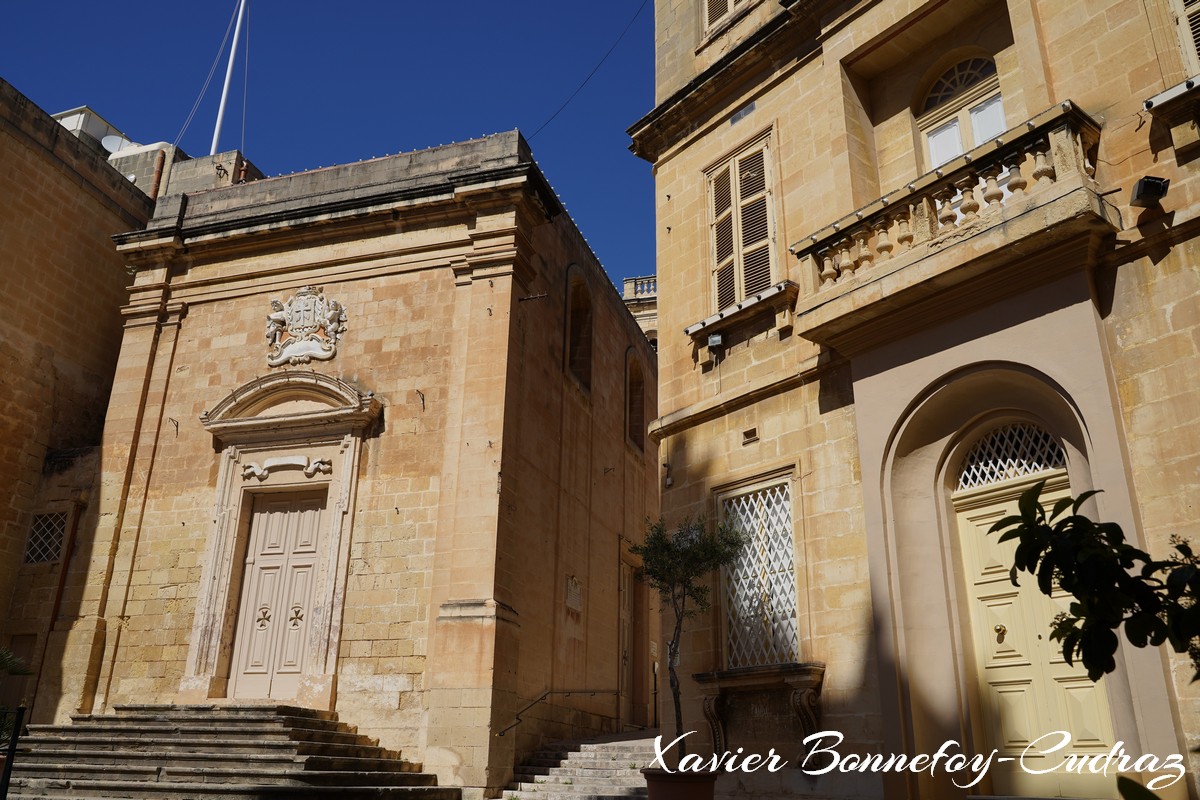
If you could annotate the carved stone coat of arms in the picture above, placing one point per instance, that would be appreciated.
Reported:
(308, 326)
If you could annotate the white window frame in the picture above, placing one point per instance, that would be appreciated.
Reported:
(959, 109)
(771, 553)
(740, 273)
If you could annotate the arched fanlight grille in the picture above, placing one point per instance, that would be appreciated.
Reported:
(1011, 451)
(959, 78)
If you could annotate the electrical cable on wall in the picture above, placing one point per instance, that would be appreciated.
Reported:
(578, 89)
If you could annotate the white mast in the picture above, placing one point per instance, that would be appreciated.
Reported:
(228, 76)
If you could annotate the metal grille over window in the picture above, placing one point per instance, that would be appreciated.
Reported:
(1011, 451)
(760, 588)
(45, 538)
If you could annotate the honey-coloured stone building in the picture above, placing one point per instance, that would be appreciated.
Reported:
(375, 445)
(908, 266)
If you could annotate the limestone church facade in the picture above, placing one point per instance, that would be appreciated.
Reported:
(375, 445)
(914, 256)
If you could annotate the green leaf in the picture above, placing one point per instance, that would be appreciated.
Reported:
(1028, 502)
(1007, 522)
(1079, 501)
(1062, 505)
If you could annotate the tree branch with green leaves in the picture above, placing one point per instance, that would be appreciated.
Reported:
(1113, 583)
(676, 563)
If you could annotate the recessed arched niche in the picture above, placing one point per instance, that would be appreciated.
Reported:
(272, 590)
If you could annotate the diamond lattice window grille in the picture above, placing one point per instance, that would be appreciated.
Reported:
(45, 538)
(759, 590)
(1011, 451)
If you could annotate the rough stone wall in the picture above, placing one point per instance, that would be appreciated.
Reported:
(582, 490)
(61, 328)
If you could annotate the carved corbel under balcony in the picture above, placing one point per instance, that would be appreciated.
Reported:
(798, 684)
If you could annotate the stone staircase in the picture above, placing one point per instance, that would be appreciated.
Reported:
(596, 769)
(213, 753)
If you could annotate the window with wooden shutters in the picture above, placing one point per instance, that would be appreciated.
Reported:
(739, 192)
(1187, 15)
(715, 11)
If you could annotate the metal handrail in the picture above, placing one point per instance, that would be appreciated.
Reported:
(593, 692)
(10, 749)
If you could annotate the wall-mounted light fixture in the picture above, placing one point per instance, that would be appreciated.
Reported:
(1149, 191)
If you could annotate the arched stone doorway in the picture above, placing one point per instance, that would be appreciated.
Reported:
(269, 611)
(927, 638)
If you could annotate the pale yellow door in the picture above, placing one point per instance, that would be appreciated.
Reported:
(1025, 689)
(277, 590)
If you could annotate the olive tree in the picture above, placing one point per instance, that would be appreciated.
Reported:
(677, 564)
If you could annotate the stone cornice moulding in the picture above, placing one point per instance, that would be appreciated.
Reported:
(318, 402)
(182, 223)
(689, 107)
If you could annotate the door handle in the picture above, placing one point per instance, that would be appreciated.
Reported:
(1001, 632)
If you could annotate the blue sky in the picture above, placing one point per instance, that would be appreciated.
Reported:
(336, 82)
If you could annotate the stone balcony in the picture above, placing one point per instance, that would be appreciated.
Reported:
(642, 288)
(1017, 211)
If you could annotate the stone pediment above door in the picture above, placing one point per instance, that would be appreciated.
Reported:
(290, 403)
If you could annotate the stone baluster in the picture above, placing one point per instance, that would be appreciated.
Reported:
(904, 234)
(1014, 160)
(883, 245)
(825, 267)
(969, 205)
(1043, 166)
(865, 256)
(946, 214)
(993, 195)
(846, 265)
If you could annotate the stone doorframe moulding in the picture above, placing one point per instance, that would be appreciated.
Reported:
(286, 431)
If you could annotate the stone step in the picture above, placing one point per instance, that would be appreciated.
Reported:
(589, 770)
(566, 793)
(82, 789)
(586, 786)
(41, 760)
(246, 775)
(212, 753)
(181, 744)
(589, 763)
(209, 727)
(222, 711)
(532, 773)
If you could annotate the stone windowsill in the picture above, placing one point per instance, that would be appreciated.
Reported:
(1179, 108)
(778, 299)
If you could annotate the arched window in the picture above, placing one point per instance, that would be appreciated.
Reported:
(961, 110)
(579, 332)
(635, 404)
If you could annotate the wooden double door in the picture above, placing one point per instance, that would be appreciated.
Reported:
(280, 573)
